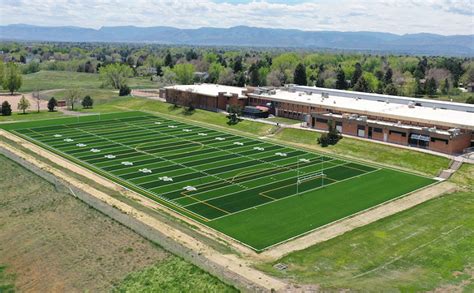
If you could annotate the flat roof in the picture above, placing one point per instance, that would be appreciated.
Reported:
(209, 89)
(392, 110)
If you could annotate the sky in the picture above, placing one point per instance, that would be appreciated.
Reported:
(447, 17)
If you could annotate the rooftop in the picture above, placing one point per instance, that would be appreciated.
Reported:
(209, 89)
(403, 109)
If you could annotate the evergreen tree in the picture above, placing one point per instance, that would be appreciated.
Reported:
(430, 87)
(320, 82)
(341, 83)
(168, 60)
(87, 102)
(6, 109)
(387, 78)
(419, 91)
(254, 75)
(445, 87)
(357, 74)
(362, 85)
(240, 80)
(238, 64)
(299, 76)
(52, 103)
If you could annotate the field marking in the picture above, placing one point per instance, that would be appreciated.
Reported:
(291, 177)
(293, 195)
(171, 162)
(285, 186)
(123, 183)
(212, 146)
(218, 182)
(205, 170)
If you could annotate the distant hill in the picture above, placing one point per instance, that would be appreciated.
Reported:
(428, 44)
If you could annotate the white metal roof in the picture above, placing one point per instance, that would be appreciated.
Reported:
(212, 90)
(429, 115)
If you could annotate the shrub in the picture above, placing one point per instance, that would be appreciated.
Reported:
(52, 103)
(6, 109)
(87, 102)
(124, 91)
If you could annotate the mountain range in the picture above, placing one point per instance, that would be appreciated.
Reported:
(378, 42)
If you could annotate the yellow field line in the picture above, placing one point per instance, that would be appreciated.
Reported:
(206, 203)
(36, 132)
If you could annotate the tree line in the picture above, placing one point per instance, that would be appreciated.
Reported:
(390, 74)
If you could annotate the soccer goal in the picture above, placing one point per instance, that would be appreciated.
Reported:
(309, 177)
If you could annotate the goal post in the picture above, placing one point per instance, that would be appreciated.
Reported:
(308, 177)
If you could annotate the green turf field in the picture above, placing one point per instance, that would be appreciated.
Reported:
(257, 192)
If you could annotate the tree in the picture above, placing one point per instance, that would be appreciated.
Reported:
(299, 76)
(226, 77)
(332, 137)
(233, 116)
(184, 73)
(445, 87)
(357, 74)
(430, 87)
(341, 83)
(72, 96)
(87, 102)
(320, 81)
(168, 60)
(387, 78)
(6, 109)
(419, 91)
(12, 79)
(115, 75)
(52, 103)
(240, 79)
(23, 104)
(254, 75)
(391, 89)
(361, 85)
(238, 64)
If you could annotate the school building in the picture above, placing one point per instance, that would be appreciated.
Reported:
(440, 126)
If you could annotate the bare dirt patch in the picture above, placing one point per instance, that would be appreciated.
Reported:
(15, 99)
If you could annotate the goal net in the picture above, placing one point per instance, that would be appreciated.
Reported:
(308, 177)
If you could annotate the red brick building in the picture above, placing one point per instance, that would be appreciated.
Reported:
(435, 125)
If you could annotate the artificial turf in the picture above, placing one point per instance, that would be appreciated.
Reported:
(246, 188)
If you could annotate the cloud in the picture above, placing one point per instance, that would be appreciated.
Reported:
(404, 16)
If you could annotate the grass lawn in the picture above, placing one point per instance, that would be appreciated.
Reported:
(283, 120)
(47, 80)
(174, 275)
(33, 115)
(6, 281)
(216, 119)
(427, 247)
(384, 154)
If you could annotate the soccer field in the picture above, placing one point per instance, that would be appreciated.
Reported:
(257, 192)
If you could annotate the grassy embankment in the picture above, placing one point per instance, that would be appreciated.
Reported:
(77, 248)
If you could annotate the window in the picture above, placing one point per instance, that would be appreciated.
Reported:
(320, 120)
(434, 139)
(378, 130)
(403, 134)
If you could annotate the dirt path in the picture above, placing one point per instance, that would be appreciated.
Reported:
(230, 262)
